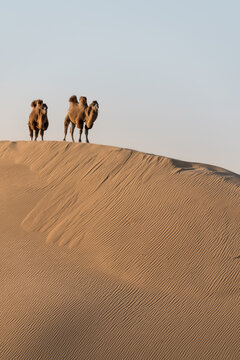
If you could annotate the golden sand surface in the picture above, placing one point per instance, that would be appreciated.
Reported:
(110, 253)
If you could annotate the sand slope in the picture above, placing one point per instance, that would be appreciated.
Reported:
(108, 253)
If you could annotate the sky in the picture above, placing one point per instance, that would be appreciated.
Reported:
(166, 74)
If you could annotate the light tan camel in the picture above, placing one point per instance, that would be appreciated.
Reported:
(75, 115)
(38, 120)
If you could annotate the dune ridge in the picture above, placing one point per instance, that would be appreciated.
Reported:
(110, 253)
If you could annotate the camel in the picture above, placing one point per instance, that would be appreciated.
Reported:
(38, 119)
(75, 115)
(78, 114)
(91, 114)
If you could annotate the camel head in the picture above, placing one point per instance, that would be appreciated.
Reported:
(95, 105)
(45, 107)
(36, 103)
(73, 99)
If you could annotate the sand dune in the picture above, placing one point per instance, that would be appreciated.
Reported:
(109, 253)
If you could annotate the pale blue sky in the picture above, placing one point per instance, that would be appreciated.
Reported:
(166, 74)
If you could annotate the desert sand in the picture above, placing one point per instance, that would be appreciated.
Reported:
(110, 253)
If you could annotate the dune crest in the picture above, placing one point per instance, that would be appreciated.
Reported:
(120, 254)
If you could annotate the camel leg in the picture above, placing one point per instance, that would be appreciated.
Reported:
(66, 123)
(31, 133)
(72, 130)
(80, 131)
(86, 133)
(36, 134)
(41, 133)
